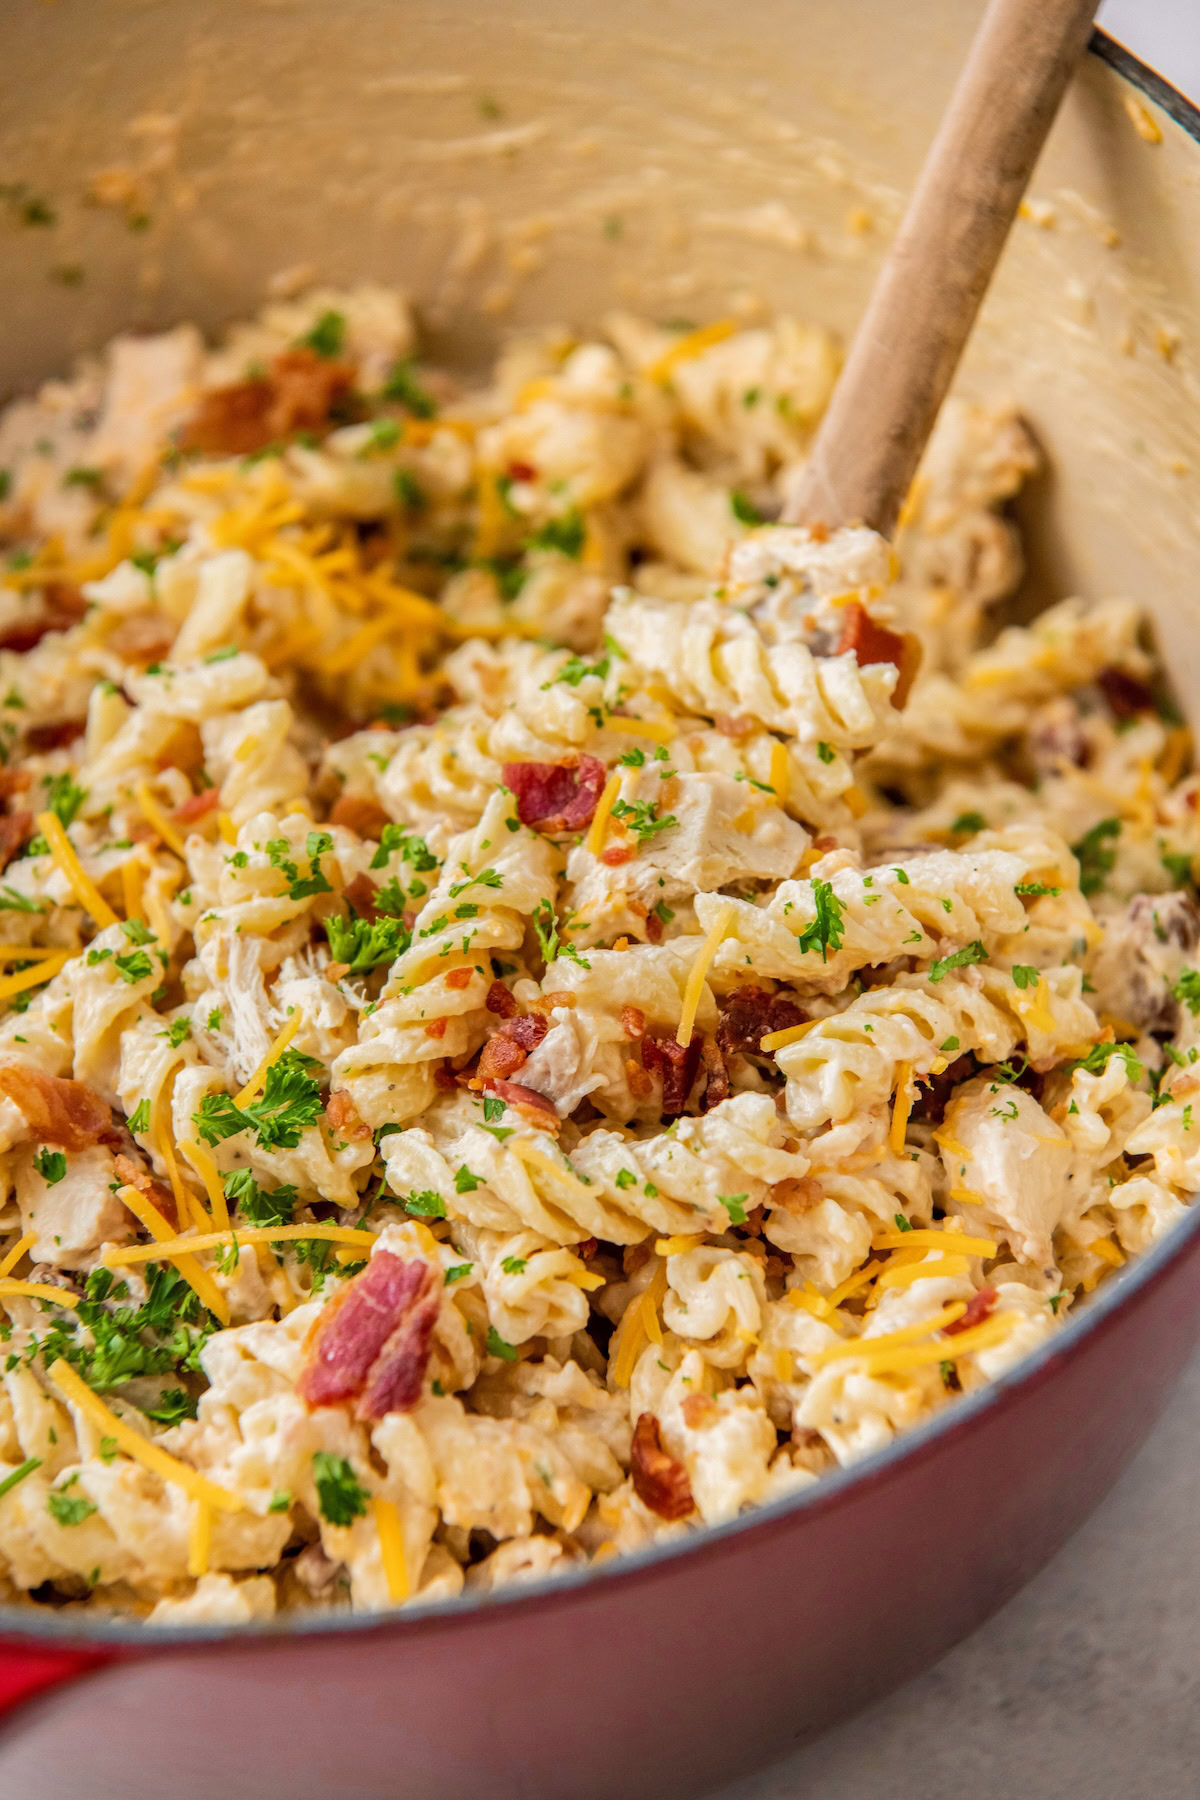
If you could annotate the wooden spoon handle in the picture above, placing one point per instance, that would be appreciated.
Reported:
(937, 271)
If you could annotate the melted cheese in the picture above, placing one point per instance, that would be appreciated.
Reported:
(78, 1394)
(593, 843)
(244, 1095)
(81, 885)
(391, 1548)
(699, 969)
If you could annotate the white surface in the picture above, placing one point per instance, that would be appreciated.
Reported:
(1086, 1686)
(1164, 33)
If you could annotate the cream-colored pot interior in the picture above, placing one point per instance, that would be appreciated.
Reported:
(547, 160)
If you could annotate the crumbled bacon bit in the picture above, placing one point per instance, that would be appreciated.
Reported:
(14, 781)
(360, 894)
(660, 1481)
(556, 796)
(64, 607)
(445, 1078)
(872, 642)
(616, 854)
(797, 1194)
(372, 1341)
(15, 829)
(136, 1175)
(640, 1084)
(500, 1000)
(40, 738)
(522, 471)
(716, 1087)
(436, 1028)
(546, 1003)
(934, 1091)
(508, 1048)
(750, 1014)
(735, 725)
(654, 928)
(359, 813)
(633, 1021)
(978, 1309)
(677, 1064)
(459, 978)
(198, 806)
(343, 1118)
(68, 1114)
(334, 971)
(527, 1101)
(299, 394)
(1126, 695)
(587, 1249)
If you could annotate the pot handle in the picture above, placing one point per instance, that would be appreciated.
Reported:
(25, 1673)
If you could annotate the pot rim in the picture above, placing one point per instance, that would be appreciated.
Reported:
(25, 1627)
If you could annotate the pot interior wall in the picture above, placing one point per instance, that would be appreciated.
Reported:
(542, 163)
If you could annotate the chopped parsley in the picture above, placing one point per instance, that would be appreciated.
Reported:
(1186, 988)
(65, 797)
(426, 1204)
(642, 818)
(177, 1031)
(66, 1508)
(735, 1206)
(17, 1475)
(827, 930)
(340, 1495)
(302, 887)
(412, 849)
(550, 944)
(134, 966)
(139, 1118)
(465, 1182)
(457, 1272)
(1099, 1056)
(51, 1165)
(1025, 975)
(744, 509)
(364, 945)
(403, 386)
(328, 335)
(290, 1101)
(575, 669)
(967, 823)
(514, 1265)
(826, 752)
(565, 534)
(256, 1204)
(1033, 890)
(1096, 859)
(958, 959)
(498, 1346)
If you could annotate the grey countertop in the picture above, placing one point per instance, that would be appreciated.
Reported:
(1086, 1686)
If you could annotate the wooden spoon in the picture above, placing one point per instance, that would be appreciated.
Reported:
(907, 346)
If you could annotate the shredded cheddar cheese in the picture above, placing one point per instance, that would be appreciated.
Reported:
(778, 1040)
(693, 343)
(39, 1290)
(154, 815)
(13, 1256)
(699, 969)
(43, 970)
(160, 1229)
(887, 1341)
(244, 1095)
(78, 1394)
(199, 1538)
(930, 1238)
(593, 843)
(905, 1095)
(249, 1234)
(80, 884)
(390, 1527)
(207, 1170)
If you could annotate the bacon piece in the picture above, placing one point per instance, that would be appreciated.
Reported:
(64, 607)
(358, 812)
(660, 1481)
(978, 1309)
(360, 894)
(640, 1084)
(874, 643)
(522, 471)
(69, 1114)
(616, 854)
(556, 796)
(533, 1106)
(716, 1088)
(371, 1343)
(508, 1048)
(198, 806)
(1126, 695)
(633, 1021)
(15, 828)
(343, 1118)
(459, 978)
(654, 928)
(750, 1013)
(677, 1065)
(501, 1000)
(298, 395)
(53, 737)
(436, 1028)
(698, 1411)
(135, 1174)
(934, 1091)
(14, 781)
(735, 725)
